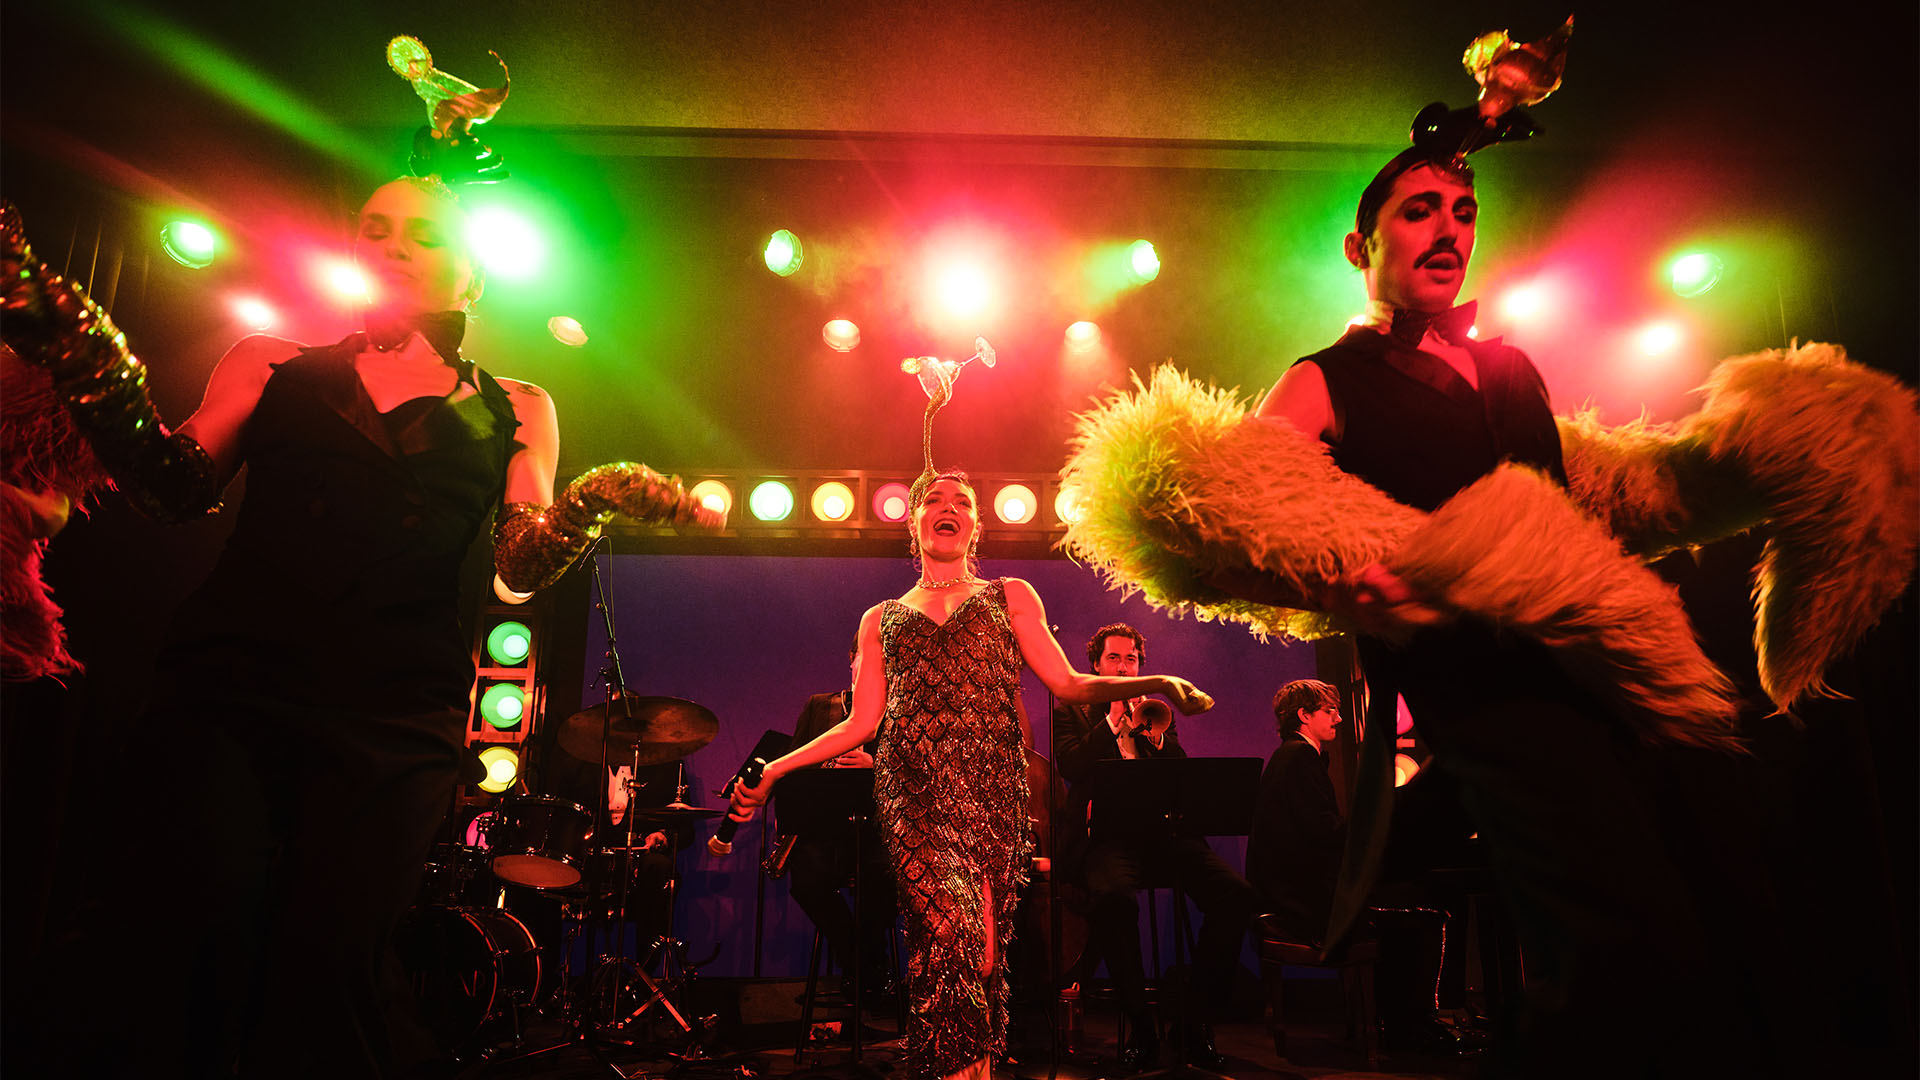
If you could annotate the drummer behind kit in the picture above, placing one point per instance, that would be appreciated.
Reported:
(474, 965)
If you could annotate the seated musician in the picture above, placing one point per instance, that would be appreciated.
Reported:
(1116, 868)
(821, 865)
(1293, 860)
(617, 795)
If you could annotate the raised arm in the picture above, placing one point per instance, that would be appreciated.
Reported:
(1043, 654)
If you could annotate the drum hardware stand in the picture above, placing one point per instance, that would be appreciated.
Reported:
(676, 973)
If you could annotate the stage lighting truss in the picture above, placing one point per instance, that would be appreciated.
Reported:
(507, 692)
(824, 504)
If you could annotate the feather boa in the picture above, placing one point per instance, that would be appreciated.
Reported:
(1178, 494)
(39, 451)
(1825, 451)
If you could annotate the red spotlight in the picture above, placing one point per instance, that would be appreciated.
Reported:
(841, 335)
(890, 502)
(1525, 302)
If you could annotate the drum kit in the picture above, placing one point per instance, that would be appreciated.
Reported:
(475, 966)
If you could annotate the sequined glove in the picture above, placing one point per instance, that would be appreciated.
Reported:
(51, 323)
(533, 545)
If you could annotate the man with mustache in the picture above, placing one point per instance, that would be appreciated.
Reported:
(1411, 403)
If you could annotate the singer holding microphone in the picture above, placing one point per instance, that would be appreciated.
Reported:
(941, 666)
(1115, 868)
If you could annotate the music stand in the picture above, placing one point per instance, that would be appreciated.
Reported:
(1195, 796)
(821, 801)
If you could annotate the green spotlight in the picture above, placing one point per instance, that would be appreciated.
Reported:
(509, 643)
(1142, 261)
(783, 253)
(189, 243)
(1694, 273)
(506, 243)
(772, 500)
(503, 705)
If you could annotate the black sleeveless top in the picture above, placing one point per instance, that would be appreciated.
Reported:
(339, 587)
(1412, 427)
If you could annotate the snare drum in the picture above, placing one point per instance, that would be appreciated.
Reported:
(467, 966)
(539, 841)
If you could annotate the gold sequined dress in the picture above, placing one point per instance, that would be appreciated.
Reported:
(950, 790)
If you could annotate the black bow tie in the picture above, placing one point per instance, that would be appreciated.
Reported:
(444, 330)
(1410, 327)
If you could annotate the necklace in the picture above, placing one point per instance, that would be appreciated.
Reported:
(949, 583)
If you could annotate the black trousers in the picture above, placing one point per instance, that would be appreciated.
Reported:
(819, 868)
(1117, 871)
(1617, 982)
(284, 868)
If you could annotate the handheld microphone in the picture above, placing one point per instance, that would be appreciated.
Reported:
(721, 842)
(771, 745)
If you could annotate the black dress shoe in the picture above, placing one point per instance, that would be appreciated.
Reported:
(1197, 1049)
(1143, 1044)
(1423, 1036)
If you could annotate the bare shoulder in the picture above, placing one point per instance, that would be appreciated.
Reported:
(246, 367)
(531, 404)
(258, 352)
(1021, 594)
(1301, 398)
(520, 387)
(1303, 380)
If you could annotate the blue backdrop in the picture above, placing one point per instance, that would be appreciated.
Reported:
(751, 637)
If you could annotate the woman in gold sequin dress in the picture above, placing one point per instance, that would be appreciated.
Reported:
(941, 666)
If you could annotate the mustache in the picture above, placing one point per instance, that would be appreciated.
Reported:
(1444, 247)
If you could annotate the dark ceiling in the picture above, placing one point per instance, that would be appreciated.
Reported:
(678, 131)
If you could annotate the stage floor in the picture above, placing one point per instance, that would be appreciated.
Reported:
(767, 1050)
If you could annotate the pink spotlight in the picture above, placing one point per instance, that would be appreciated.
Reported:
(254, 313)
(1524, 302)
(890, 502)
(1659, 338)
(346, 280)
(962, 288)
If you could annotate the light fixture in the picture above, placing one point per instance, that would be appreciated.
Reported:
(841, 335)
(832, 501)
(783, 254)
(1015, 504)
(770, 500)
(890, 501)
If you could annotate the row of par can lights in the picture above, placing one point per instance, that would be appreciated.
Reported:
(503, 704)
(853, 501)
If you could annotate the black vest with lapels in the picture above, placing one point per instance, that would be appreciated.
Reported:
(1414, 428)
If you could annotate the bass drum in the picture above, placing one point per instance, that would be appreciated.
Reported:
(468, 967)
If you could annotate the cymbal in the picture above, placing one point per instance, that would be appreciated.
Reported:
(676, 812)
(664, 728)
